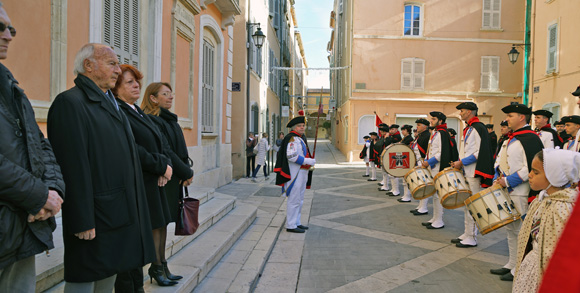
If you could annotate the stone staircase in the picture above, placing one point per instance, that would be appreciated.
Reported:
(222, 222)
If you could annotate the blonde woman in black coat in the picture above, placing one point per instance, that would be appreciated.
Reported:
(156, 169)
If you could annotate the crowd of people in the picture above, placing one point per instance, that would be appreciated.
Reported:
(538, 168)
(125, 167)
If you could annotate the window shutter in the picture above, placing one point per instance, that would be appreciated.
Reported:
(495, 23)
(418, 74)
(494, 73)
(276, 14)
(552, 47)
(135, 34)
(251, 61)
(491, 14)
(207, 115)
(406, 74)
(271, 8)
(121, 29)
(485, 74)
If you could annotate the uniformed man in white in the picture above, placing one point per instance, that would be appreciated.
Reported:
(512, 166)
(547, 134)
(292, 171)
(420, 146)
(366, 153)
(572, 125)
(372, 156)
(476, 160)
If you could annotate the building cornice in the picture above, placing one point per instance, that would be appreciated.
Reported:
(465, 40)
(437, 93)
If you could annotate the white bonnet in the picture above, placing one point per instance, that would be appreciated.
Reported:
(561, 166)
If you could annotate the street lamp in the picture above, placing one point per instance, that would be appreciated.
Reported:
(286, 87)
(513, 55)
(258, 37)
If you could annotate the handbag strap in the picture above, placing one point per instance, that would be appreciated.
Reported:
(185, 192)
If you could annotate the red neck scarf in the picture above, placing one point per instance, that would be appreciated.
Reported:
(470, 122)
(546, 126)
(514, 134)
(397, 133)
(441, 127)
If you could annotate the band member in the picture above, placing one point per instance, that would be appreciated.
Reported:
(442, 151)
(512, 166)
(477, 164)
(365, 153)
(374, 156)
(394, 137)
(380, 146)
(492, 138)
(504, 131)
(547, 134)
(561, 129)
(292, 173)
(420, 146)
(452, 134)
(406, 131)
(572, 124)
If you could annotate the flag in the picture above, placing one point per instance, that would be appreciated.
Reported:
(320, 108)
(377, 120)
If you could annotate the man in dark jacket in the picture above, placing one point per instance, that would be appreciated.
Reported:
(31, 186)
(492, 138)
(106, 226)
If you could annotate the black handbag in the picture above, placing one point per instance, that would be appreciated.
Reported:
(188, 211)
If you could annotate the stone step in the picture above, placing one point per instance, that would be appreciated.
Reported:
(198, 258)
(240, 268)
(50, 269)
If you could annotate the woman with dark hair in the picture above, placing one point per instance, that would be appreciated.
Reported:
(157, 170)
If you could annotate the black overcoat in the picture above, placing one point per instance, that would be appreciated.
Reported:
(167, 123)
(154, 161)
(95, 148)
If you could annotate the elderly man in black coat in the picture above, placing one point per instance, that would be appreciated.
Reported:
(106, 228)
(31, 184)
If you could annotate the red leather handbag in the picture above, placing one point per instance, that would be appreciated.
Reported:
(187, 221)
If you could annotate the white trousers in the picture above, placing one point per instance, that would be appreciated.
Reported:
(395, 185)
(422, 208)
(385, 180)
(513, 229)
(470, 231)
(295, 199)
(373, 171)
(407, 196)
(437, 219)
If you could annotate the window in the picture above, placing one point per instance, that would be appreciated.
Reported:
(552, 59)
(366, 124)
(121, 29)
(555, 109)
(413, 25)
(489, 74)
(412, 74)
(255, 58)
(254, 119)
(491, 14)
(208, 83)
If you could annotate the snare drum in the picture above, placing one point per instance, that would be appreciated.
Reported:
(492, 208)
(420, 182)
(452, 187)
(397, 159)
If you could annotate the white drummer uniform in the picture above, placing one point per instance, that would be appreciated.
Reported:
(368, 153)
(512, 163)
(547, 139)
(573, 144)
(471, 145)
(422, 208)
(296, 153)
(433, 157)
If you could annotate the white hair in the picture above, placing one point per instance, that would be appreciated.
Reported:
(86, 52)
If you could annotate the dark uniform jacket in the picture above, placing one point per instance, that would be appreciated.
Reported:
(95, 148)
(28, 169)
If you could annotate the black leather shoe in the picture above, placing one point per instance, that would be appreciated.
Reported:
(413, 211)
(501, 271)
(401, 200)
(302, 227)
(371, 179)
(392, 194)
(507, 277)
(380, 184)
(366, 175)
(461, 245)
(296, 230)
(417, 213)
(431, 227)
(426, 224)
(456, 240)
(380, 189)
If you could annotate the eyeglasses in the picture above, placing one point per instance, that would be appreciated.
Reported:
(10, 28)
(167, 94)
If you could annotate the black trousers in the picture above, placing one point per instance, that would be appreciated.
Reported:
(130, 281)
(250, 167)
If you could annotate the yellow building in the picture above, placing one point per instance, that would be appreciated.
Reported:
(311, 103)
(406, 59)
(554, 56)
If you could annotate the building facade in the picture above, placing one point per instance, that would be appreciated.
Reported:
(554, 57)
(188, 43)
(407, 58)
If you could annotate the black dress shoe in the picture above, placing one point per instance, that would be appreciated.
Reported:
(417, 213)
(426, 224)
(392, 194)
(401, 200)
(302, 227)
(456, 240)
(380, 184)
(501, 271)
(431, 227)
(366, 175)
(371, 179)
(461, 245)
(296, 230)
(413, 211)
(380, 189)
(507, 277)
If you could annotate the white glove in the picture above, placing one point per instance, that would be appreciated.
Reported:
(309, 161)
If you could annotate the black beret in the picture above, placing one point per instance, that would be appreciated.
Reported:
(467, 106)
(366, 136)
(517, 108)
(296, 120)
(451, 131)
(408, 127)
(577, 92)
(489, 126)
(422, 121)
(558, 123)
(373, 133)
(438, 114)
(383, 127)
(572, 119)
(394, 126)
(544, 113)
(504, 123)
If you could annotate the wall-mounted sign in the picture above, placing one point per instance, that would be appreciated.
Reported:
(285, 111)
(236, 86)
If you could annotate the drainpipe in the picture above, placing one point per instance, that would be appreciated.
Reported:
(527, 49)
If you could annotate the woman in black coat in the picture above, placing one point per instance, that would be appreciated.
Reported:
(156, 169)
(157, 99)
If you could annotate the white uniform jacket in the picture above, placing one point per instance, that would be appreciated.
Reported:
(471, 145)
(513, 164)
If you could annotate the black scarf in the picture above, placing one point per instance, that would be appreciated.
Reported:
(407, 140)
(282, 168)
(422, 141)
(449, 151)
(484, 165)
(532, 145)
